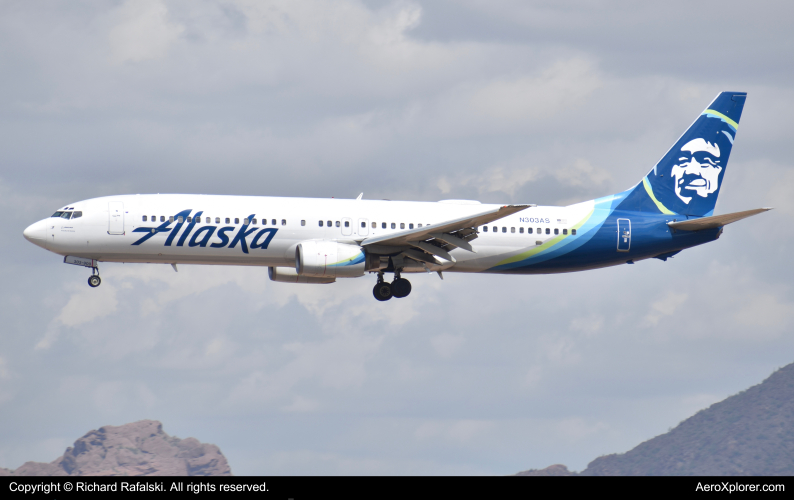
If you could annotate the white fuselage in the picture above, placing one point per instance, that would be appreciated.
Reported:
(109, 228)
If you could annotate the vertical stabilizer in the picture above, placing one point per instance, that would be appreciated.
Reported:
(688, 178)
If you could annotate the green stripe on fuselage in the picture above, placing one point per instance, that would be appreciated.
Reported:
(547, 245)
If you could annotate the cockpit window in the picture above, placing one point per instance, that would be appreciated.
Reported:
(77, 214)
(66, 215)
(58, 214)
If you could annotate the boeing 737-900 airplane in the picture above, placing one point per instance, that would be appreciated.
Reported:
(304, 240)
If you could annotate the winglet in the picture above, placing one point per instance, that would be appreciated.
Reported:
(359, 197)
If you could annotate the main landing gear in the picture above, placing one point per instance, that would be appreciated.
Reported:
(94, 280)
(384, 290)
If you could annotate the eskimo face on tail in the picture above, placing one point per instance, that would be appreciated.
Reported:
(687, 180)
(697, 172)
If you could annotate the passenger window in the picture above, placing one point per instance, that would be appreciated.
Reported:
(328, 223)
(337, 224)
(180, 219)
(495, 229)
(393, 225)
(383, 226)
(77, 214)
(529, 230)
(189, 219)
(228, 220)
(246, 221)
(303, 223)
(363, 224)
(420, 225)
(374, 225)
(564, 231)
(253, 222)
(162, 218)
(144, 218)
(556, 230)
(207, 220)
(321, 223)
(504, 229)
(573, 232)
(540, 230)
(512, 230)
(283, 222)
(272, 222)
(217, 220)
(521, 230)
(410, 226)
(236, 220)
(402, 225)
(548, 231)
(347, 223)
(485, 229)
(171, 219)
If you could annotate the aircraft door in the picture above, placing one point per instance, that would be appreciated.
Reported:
(347, 226)
(624, 235)
(363, 227)
(115, 217)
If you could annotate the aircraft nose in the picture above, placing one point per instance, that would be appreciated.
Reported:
(36, 233)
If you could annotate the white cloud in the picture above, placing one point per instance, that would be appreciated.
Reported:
(84, 306)
(142, 31)
(764, 312)
(446, 344)
(561, 86)
(664, 307)
(589, 325)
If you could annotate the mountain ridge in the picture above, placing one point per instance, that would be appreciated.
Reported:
(135, 449)
(750, 433)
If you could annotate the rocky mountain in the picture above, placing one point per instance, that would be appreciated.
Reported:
(551, 470)
(136, 449)
(750, 433)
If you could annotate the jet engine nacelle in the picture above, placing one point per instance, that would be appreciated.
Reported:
(288, 275)
(329, 259)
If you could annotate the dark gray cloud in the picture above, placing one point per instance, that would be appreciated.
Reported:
(548, 103)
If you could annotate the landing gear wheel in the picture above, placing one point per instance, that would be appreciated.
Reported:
(382, 291)
(94, 281)
(400, 288)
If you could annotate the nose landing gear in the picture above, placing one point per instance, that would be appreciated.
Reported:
(94, 280)
(399, 288)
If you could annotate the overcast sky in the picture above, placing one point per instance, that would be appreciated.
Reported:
(500, 101)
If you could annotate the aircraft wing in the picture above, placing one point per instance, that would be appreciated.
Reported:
(438, 239)
(715, 221)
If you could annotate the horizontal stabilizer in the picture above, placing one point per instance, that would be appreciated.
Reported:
(715, 221)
